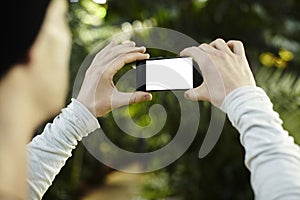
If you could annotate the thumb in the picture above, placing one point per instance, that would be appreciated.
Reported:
(123, 98)
(198, 93)
(137, 97)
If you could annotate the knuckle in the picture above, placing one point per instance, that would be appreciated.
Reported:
(133, 99)
(129, 43)
(188, 50)
(98, 55)
(233, 41)
(191, 51)
(204, 45)
(239, 43)
(219, 40)
(236, 42)
(193, 48)
(89, 71)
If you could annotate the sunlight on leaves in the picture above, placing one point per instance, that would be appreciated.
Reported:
(286, 55)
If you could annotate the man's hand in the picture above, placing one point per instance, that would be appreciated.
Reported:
(224, 67)
(98, 91)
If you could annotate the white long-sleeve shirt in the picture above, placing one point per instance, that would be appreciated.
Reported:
(48, 152)
(271, 155)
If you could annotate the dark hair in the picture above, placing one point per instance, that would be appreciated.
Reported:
(20, 25)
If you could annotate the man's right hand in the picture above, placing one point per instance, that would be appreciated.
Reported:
(224, 68)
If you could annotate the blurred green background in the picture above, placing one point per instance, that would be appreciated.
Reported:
(270, 31)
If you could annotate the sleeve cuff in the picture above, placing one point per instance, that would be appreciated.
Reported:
(242, 95)
(88, 120)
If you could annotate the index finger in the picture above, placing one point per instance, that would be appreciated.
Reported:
(199, 56)
(192, 52)
(119, 62)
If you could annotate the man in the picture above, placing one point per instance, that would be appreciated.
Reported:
(271, 155)
(33, 86)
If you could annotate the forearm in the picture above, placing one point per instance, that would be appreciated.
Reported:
(271, 154)
(48, 152)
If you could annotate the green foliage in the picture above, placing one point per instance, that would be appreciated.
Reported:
(157, 186)
(220, 175)
(265, 27)
(284, 90)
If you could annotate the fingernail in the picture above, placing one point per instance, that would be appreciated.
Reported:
(148, 55)
(144, 48)
(148, 97)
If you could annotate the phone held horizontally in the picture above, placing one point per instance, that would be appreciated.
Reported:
(166, 74)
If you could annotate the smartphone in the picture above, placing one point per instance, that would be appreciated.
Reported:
(167, 74)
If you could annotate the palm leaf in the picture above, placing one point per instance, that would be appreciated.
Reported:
(283, 89)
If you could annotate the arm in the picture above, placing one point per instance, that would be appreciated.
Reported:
(48, 152)
(271, 155)
(98, 95)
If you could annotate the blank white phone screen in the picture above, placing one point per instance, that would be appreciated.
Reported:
(169, 74)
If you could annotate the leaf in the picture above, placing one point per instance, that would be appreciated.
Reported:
(283, 88)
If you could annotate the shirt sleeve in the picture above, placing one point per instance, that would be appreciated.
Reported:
(271, 154)
(48, 152)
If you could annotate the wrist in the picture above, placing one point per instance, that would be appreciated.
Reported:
(83, 117)
(88, 106)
